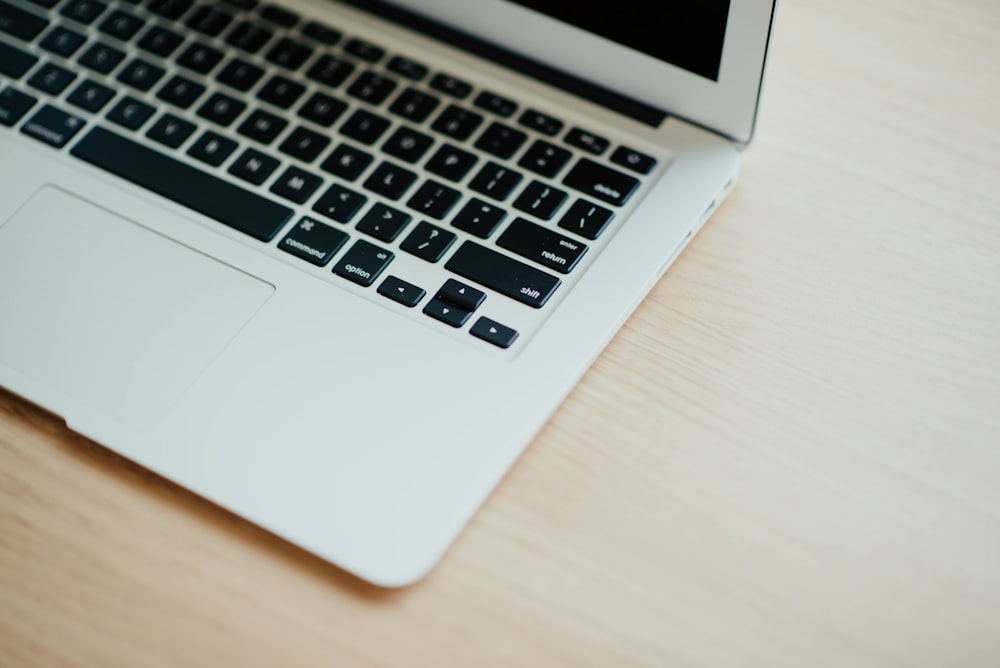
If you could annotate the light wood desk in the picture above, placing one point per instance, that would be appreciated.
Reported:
(789, 457)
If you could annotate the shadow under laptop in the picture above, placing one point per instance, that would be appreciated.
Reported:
(25, 426)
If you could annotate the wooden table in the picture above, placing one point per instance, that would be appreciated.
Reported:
(789, 457)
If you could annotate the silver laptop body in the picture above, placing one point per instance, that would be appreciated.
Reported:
(332, 265)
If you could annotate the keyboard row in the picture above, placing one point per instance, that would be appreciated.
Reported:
(368, 86)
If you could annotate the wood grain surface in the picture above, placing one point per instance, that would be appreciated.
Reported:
(790, 456)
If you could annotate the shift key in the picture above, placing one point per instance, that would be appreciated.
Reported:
(504, 274)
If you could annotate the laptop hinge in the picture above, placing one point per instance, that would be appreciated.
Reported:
(617, 102)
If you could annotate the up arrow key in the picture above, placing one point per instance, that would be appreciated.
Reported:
(461, 295)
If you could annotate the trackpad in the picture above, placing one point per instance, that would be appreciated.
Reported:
(109, 313)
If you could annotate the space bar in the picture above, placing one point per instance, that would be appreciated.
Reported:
(230, 205)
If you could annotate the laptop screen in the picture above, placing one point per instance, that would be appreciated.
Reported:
(686, 34)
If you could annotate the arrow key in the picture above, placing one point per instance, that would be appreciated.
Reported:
(493, 332)
(446, 312)
(461, 295)
(400, 291)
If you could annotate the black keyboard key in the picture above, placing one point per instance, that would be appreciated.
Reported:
(90, 96)
(407, 68)
(363, 263)
(500, 140)
(322, 109)
(130, 113)
(450, 85)
(321, 33)
(240, 74)
(544, 158)
(586, 219)
(48, 4)
(503, 274)
(140, 74)
(101, 58)
(339, 204)
(364, 126)
(383, 223)
(221, 109)
(160, 41)
(407, 144)
(390, 180)
(209, 21)
(588, 141)
(171, 131)
(497, 104)
(493, 332)
(296, 184)
(400, 291)
(188, 186)
(414, 105)
(212, 148)
(19, 23)
(170, 9)
(281, 92)
(347, 162)
(540, 200)
(540, 122)
(14, 105)
(52, 126)
(289, 54)
(371, 88)
(262, 126)
(248, 37)
(461, 295)
(634, 160)
(457, 123)
(359, 48)
(542, 245)
(83, 11)
(180, 91)
(434, 199)
(428, 242)
(304, 144)
(601, 182)
(451, 162)
(330, 71)
(14, 62)
(51, 79)
(245, 5)
(200, 58)
(479, 218)
(121, 25)
(62, 41)
(253, 166)
(279, 16)
(495, 181)
(313, 241)
(446, 312)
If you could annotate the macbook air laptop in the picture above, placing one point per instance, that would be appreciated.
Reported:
(331, 265)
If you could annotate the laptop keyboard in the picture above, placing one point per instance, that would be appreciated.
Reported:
(323, 146)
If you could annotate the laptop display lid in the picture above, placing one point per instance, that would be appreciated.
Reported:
(701, 60)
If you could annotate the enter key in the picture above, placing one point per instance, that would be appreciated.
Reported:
(539, 244)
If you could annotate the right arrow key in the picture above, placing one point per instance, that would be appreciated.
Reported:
(493, 332)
